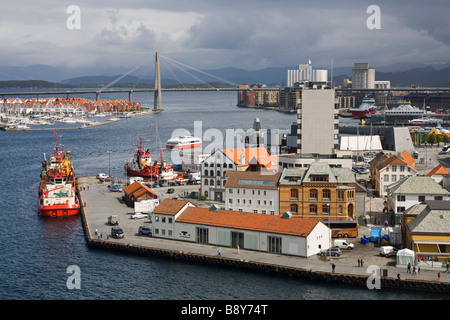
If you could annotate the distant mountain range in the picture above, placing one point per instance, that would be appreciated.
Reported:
(400, 75)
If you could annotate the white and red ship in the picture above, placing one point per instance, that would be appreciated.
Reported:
(57, 190)
(183, 142)
(142, 165)
(366, 108)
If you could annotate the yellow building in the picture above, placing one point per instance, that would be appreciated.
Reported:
(426, 231)
(319, 191)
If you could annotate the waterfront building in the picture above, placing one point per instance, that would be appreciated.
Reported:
(319, 191)
(136, 192)
(390, 171)
(412, 190)
(305, 72)
(183, 221)
(426, 230)
(363, 77)
(252, 191)
(220, 161)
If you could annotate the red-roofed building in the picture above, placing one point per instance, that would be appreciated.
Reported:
(182, 220)
(438, 173)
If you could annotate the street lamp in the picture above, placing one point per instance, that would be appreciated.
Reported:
(109, 155)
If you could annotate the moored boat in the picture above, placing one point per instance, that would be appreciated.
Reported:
(142, 165)
(57, 194)
(366, 108)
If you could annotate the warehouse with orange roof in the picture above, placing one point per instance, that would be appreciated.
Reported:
(183, 221)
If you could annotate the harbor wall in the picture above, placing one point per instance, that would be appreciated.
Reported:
(288, 271)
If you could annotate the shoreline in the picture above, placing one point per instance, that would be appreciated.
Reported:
(312, 268)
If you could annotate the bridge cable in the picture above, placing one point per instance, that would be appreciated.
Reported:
(206, 73)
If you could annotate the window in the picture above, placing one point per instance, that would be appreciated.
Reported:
(218, 173)
(294, 208)
(394, 168)
(326, 194)
(400, 198)
(394, 178)
(386, 178)
(421, 198)
(326, 209)
(340, 195)
(206, 172)
(169, 220)
(294, 194)
(402, 168)
(211, 172)
(319, 178)
(400, 209)
(230, 190)
(437, 197)
(313, 194)
(206, 182)
(312, 209)
(211, 182)
(230, 200)
(206, 164)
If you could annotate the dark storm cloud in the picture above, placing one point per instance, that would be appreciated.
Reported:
(210, 33)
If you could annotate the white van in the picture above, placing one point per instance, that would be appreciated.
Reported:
(343, 244)
(388, 251)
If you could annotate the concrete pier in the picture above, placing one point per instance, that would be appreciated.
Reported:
(98, 203)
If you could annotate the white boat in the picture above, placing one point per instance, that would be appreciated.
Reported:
(406, 109)
(183, 142)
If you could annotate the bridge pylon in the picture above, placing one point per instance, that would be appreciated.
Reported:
(157, 102)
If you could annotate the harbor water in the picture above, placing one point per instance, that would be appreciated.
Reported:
(36, 252)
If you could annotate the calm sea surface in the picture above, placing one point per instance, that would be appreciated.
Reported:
(36, 252)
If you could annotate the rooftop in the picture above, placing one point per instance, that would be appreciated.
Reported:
(433, 218)
(252, 179)
(419, 185)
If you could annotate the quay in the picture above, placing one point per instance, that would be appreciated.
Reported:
(98, 203)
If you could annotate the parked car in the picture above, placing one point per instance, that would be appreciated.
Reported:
(170, 190)
(339, 243)
(139, 215)
(117, 232)
(145, 230)
(331, 252)
(116, 188)
(102, 176)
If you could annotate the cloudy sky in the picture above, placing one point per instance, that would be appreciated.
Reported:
(249, 34)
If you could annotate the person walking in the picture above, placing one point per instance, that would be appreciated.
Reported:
(333, 267)
(362, 263)
(219, 252)
(408, 268)
(359, 263)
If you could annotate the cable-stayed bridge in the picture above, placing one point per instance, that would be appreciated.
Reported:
(203, 85)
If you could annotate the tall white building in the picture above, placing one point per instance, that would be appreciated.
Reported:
(363, 77)
(305, 72)
(317, 122)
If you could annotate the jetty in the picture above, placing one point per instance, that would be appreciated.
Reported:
(98, 203)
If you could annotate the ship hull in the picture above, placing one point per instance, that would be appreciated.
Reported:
(59, 210)
(184, 146)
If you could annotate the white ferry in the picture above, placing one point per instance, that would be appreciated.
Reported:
(183, 142)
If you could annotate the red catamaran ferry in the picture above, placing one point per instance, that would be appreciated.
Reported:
(57, 194)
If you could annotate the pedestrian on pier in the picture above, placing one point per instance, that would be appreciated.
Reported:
(447, 270)
(362, 263)
(359, 263)
(408, 268)
(333, 266)
(439, 276)
(96, 231)
(219, 252)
